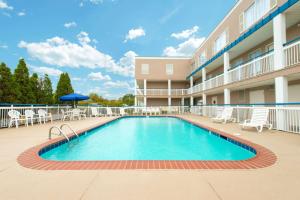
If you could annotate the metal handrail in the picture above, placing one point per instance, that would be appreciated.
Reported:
(69, 126)
(60, 132)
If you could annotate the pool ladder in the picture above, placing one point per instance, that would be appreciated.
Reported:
(61, 131)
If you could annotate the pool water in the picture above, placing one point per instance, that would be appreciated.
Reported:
(148, 138)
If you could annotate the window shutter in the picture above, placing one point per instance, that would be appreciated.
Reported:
(242, 20)
(273, 3)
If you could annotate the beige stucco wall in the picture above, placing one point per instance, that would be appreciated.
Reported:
(157, 68)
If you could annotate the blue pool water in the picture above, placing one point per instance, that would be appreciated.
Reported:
(148, 138)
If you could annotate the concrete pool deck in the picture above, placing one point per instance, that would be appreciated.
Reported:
(279, 181)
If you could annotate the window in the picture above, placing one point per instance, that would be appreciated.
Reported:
(202, 58)
(169, 69)
(257, 10)
(220, 42)
(145, 69)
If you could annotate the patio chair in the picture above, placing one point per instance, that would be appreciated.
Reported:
(258, 120)
(122, 112)
(29, 116)
(109, 112)
(14, 118)
(224, 116)
(76, 114)
(44, 116)
(95, 112)
(83, 113)
(66, 115)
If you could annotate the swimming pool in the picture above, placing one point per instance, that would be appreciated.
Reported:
(149, 138)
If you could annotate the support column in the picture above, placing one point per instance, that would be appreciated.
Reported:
(169, 93)
(281, 83)
(226, 96)
(145, 101)
(135, 93)
(182, 101)
(226, 78)
(279, 32)
(191, 86)
(226, 67)
(204, 104)
(145, 87)
(145, 93)
(203, 78)
(169, 87)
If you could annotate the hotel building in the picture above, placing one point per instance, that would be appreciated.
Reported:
(252, 56)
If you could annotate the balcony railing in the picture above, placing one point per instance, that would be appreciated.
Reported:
(292, 54)
(179, 92)
(196, 89)
(162, 92)
(258, 66)
(214, 82)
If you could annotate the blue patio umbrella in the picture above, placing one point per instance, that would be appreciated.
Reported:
(73, 97)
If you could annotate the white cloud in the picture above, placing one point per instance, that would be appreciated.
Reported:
(77, 79)
(4, 5)
(94, 2)
(117, 84)
(83, 38)
(98, 76)
(135, 33)
(21, 14)
(70, 25)
(184, 49)
(3, 46)
(46, 70)
(60, 52)
(185, 33)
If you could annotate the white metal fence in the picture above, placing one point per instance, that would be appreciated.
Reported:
(54, 110)
(282, 118)
(292, 54)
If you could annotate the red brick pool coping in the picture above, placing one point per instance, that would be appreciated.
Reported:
(31, 158)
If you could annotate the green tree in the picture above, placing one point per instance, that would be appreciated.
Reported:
(7, 90)
(47, 91)
(64, 86)
(21, 78)
(128, 99)
(35, 88)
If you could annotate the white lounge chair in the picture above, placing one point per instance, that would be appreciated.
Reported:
(95, 112)
(14, 118)
(122, 112)
(29, 116)
(109, 112)
(155, 111)
(224, 116)
(44, 116)
(258, 120)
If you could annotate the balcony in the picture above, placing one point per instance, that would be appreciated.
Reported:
(261, 65)
(214, 82)
(292, 53)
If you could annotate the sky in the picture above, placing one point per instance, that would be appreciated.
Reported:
(96, 41)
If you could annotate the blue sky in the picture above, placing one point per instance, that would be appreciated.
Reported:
(95, 41)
